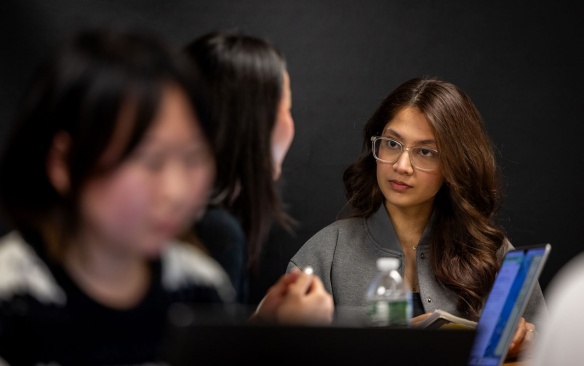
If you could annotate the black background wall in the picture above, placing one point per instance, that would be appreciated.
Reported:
(521, 62)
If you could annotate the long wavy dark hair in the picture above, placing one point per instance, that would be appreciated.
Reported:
(244, 81)
(465, 237)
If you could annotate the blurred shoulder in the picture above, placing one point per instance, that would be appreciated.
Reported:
(183, 264)
(219, 221)
(23, 272)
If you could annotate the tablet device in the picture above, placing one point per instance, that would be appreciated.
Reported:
(513, 286)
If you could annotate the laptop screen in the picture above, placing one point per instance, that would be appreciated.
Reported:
(506, 302)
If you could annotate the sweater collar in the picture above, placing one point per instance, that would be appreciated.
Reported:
(383, 232)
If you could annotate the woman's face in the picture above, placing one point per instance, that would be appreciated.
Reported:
(158, 190)
(283, 132)
(404, 186)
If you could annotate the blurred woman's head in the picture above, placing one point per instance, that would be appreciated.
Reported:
(105, 143)
(248, 91)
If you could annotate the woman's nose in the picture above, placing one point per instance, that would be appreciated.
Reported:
(175, 183)
(403, 164)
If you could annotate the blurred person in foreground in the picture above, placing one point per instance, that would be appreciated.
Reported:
(109, 160)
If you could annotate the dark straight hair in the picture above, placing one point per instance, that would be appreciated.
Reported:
(80, 90)
(465, 236)
(244, 82)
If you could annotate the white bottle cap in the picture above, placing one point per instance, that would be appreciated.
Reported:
(387, 263)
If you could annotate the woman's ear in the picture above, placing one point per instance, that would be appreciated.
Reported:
(57, 168)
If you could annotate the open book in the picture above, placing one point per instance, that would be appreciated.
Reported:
(443, 319)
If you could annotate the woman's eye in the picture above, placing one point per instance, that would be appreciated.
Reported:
(197, 157)
(154, 163)
(192, 159)
(427, 153)
(393, 144)
(151, 161)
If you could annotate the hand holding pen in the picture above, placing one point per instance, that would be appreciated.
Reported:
(298, 297)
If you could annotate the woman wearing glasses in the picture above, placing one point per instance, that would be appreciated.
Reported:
(425, 190)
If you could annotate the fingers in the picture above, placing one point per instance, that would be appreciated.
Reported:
(296, 298)
(287, 282)
(281, 286)
(322, 302)
(316, 286)
(292, 275)
(521, 330)
(518, 336)
(302, 284)
(420, 318)
(523, 337)
(306, 301)
(274, 296)
(530, 334)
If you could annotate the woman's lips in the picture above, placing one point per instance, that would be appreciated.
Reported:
(399, 186)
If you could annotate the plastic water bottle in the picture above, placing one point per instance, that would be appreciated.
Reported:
(389, 298)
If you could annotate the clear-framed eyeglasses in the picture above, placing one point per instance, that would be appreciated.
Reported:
(387, 150)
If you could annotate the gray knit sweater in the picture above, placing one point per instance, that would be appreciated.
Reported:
(344, 255)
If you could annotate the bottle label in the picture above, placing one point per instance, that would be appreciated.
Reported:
(389, 313)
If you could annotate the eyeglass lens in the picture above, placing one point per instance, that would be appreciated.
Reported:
(389, 151)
